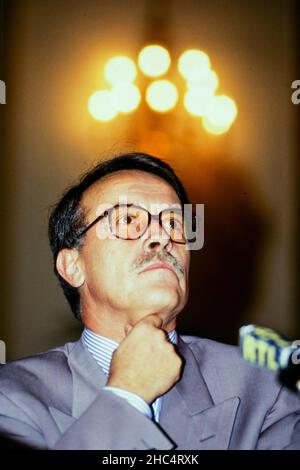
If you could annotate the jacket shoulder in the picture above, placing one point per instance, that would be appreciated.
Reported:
(225, 370)
(45, 376)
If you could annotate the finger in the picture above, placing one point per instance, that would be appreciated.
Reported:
(153, 319)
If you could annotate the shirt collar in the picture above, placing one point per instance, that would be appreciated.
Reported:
(102, 348)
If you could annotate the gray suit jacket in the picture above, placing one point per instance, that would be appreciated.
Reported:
(55, 400)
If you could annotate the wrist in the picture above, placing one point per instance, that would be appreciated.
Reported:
(133, 399)
(129, 388)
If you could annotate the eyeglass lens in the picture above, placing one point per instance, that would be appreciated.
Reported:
(131, 222)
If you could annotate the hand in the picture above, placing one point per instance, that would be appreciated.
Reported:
(145, 363)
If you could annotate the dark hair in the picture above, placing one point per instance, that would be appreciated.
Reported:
(67, 218)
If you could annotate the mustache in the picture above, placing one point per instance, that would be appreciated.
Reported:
(147, 258)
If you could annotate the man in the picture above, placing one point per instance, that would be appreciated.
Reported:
(131, 382)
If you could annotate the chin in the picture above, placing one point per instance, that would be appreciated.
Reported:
(160, 300)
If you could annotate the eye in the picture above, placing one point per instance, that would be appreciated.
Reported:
(173, 224)
(126, 219)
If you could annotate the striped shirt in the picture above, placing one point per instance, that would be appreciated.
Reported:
(102, 349)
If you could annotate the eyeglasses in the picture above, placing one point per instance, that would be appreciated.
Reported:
(130, 222)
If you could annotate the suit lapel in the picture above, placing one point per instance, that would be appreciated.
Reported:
(88, 378)
(63, 420)
(189, 414)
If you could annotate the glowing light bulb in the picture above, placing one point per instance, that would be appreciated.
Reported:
(120, 69)
(206, 85)
(126, 98)
(216, 130)
(193, 64)
(101, 106)
(220, 113)
(161, 95)
(195, 103)
(154, 60)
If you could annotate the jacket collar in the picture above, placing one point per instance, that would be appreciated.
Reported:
(189, 415)
(88, 377)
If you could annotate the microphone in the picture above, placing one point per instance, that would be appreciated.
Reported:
(264, 347)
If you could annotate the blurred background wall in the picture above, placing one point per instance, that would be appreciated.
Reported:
(52, 57)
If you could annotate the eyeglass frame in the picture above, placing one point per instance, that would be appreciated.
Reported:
(151, 217)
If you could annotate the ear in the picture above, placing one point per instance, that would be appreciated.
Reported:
(69, 267)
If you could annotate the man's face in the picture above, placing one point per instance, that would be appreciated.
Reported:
(116, 285)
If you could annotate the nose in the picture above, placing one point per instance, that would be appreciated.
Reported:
(156, 238)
